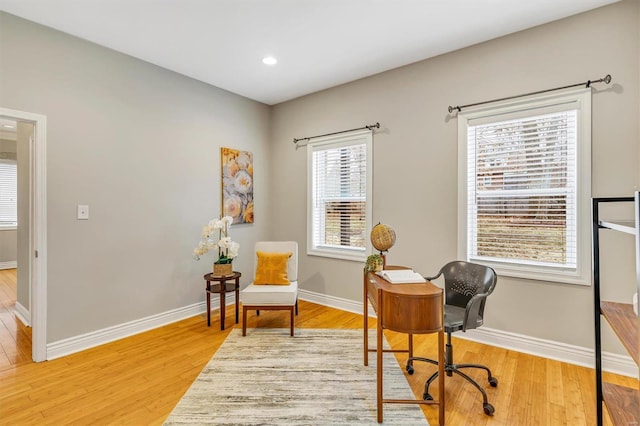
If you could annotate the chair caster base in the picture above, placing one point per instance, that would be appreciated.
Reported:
(409, 369)
(493, 382)
(488, 409)
(427, 397)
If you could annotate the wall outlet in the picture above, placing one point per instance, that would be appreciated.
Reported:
(83, 212)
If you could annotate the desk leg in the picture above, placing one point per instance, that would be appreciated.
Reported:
(379, 354)
(410, 346)
(441, 377)
(223, 308)
(208, 291)
(365, 319)
(237, 297)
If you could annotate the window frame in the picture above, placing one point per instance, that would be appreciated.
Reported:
(358, 137)
(528, 107)
(8, 226)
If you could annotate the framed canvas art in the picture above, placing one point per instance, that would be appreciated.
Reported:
(237, 185)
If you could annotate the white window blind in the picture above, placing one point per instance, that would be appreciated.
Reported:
(522, 189)
(339, 195)
(526, 188)
(8, 194)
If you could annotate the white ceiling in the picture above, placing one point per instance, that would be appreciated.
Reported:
(319, 43)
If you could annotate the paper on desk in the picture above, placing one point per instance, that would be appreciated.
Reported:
(401, 276)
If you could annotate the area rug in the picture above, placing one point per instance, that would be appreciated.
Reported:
(314, 378)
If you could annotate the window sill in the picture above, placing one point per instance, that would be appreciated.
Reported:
(8, 227)
(335, 254)
(546, 274)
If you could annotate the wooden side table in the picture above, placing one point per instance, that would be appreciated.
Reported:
(221, 286)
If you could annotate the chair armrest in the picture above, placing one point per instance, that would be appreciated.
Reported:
(434, 277)
(472, 310)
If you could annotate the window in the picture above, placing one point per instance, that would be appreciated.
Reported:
(339, 195)
(8, 194)
(525, 187)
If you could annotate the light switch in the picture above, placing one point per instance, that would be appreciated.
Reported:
(83, 212)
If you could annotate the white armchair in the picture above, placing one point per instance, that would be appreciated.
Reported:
(269, 291)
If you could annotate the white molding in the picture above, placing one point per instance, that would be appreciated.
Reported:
(37, 229)
(22, 314)
(12, 264)
(334, 302)
(577, 355)
(92, 339)
(614, 363)
(95, 338)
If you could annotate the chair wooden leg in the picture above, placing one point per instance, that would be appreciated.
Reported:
(292, 319)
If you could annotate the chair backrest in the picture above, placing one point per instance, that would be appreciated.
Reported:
(467, 285)
(280, 247)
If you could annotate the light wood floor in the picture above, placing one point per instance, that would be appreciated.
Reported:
(138, 380)
(15, 338)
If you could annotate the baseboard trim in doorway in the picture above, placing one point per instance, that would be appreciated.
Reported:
(12, 264)
(23, 314)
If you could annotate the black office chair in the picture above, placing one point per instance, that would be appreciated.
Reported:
(467, 286)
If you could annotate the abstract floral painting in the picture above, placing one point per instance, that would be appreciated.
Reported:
(237, 185)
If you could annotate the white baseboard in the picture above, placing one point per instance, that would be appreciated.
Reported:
(79, 343)
(614, 363)
(95, 338)
(13, 264)
(333, 302)
(22, 314)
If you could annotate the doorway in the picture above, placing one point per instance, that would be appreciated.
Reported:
(32, 247)
(15, 345)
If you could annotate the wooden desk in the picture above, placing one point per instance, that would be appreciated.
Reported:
(225, 284)
(405, 308)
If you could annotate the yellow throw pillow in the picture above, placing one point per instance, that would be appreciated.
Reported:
(272, 268)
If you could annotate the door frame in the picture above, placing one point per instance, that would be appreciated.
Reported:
(37, 229)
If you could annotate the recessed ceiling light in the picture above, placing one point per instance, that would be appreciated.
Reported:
(269, 60)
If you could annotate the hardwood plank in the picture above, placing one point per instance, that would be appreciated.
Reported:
(15, 338)
(139, 380)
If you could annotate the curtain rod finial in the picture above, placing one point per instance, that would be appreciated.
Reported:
(607, 78)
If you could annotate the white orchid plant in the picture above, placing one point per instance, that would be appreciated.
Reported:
(227, 249)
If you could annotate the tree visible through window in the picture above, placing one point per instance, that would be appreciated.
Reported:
(524, 191)
(339, 195)
(526, 188)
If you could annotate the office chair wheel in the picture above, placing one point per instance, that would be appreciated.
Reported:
(493, 382)
(488, 409)
(409, 369)
(427, 397)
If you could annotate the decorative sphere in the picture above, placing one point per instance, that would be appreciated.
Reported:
(383, 237)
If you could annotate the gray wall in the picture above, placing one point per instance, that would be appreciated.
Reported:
(8, 245)
(25, 134)
(415, 157)
(141, 146)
